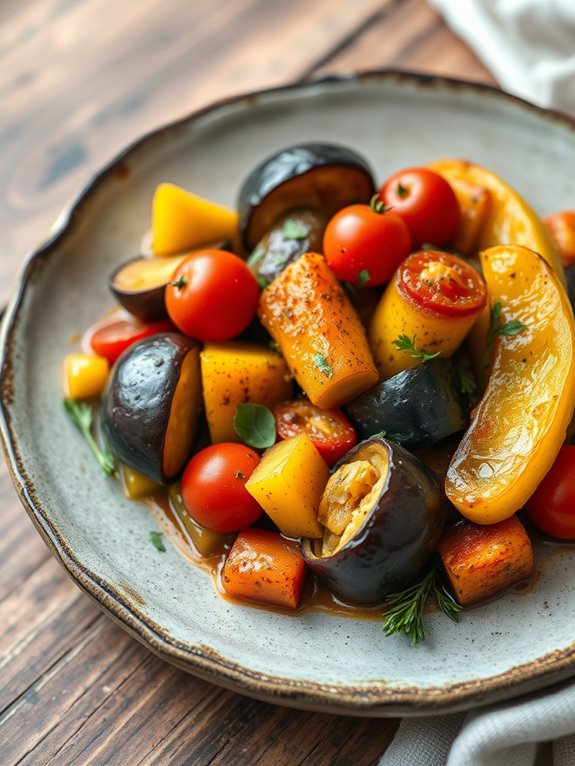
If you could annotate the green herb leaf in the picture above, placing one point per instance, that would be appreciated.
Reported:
(274, 346)
(255, 425)
(157, 542)
(405, 343)
(405, 614)
(322, 364)
(363, 277)
(512, 327)
(351, 291)
(255, 257)
(81, 414)
(262, 281)
(465, 382)
(294, 230)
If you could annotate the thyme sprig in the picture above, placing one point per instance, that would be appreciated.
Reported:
(82, 415)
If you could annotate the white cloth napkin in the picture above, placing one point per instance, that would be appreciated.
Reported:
(528, 45)
(509, 734)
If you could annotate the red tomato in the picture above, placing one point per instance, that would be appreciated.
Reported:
(213, 296)
(552, 505)
(427, 204)
(330, 431)
(114, 334)
(214, 491)
(442, 282)
(364, 246)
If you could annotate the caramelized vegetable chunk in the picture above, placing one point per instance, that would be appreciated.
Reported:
(263, 566)
(288, 484)
(474, 201)
(237, 372)
(308, 314)
(482, 560)
(85, 375)
(561, 226)
(520, 423)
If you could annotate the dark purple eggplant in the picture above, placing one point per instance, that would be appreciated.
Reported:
(139, 285)
(152, 403)
(322, 177)
(383, 514)
(414, 408)
(296, 233)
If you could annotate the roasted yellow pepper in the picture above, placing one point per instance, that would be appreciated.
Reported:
(308, 314)
(237, 372)
(288, 483)
(85, 375)
(521, 421)
(183, 221)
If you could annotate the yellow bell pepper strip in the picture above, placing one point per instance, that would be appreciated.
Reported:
(183, 221)
(237, 372)
(288, 483)
(482, 560)
(85, 376)
(432, 301)
(308, 314)
(520, 423)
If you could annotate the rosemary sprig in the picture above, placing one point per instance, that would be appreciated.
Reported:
(405, 343)
(82, 415)
(405, 614)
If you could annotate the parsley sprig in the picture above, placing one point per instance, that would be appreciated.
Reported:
(405, 614)
(82, 415)
(405, 343)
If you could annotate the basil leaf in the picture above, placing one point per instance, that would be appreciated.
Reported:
(157, 542)
(255, 425)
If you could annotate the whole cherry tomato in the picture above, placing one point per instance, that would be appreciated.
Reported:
(114, 334)
(364, 245)
(213, 296)
(330, 431)
(552, 505)
(427, 204)
(214, 491)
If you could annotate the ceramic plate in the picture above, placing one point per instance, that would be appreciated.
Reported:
(316, 661)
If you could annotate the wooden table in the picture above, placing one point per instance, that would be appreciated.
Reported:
(79, 80)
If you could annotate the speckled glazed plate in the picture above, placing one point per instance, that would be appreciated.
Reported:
(316, 661)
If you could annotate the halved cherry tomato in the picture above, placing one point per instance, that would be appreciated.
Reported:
(552, 505)
(330, 431)
(213, 487)
(427, 204)
(442, 282)
(364, 245)
(213, 296)
(114, 334)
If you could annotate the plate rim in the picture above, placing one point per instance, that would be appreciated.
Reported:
(344, 699)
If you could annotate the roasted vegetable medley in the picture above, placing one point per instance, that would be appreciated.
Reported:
(368, 388)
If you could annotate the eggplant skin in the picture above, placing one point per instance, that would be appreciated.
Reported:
(147, 305)
(137, 401)
(415, 408)
(291, 164)
(398, 537)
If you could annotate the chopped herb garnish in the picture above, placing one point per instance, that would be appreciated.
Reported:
(274, 346)
(179, 283)
(465, 382)
(255, 257)
(513, 327)
(82, 415)
(255, 425)
(157, 542)
(405, 343)
(294, 229)
(363, 277)
(262, 281)
(405, 614)
(322, 364)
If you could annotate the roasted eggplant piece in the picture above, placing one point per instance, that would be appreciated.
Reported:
(383, 515)
(152, 403)
(296, 233)
(414, 408)
(322, 177)
(139, 284)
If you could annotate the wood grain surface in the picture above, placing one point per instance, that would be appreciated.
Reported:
(79, 80)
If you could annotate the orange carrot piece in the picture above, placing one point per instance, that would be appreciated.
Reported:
(561, 226)
(264, 566)
(481, 560)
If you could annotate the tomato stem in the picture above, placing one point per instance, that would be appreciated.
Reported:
(179, 283)
(377, 204)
